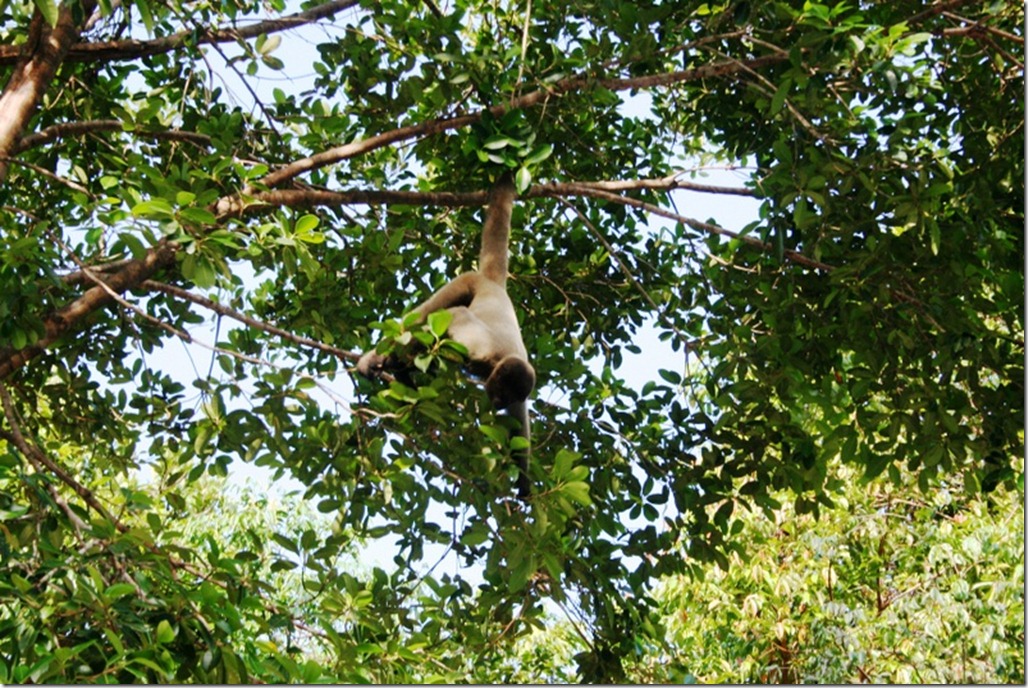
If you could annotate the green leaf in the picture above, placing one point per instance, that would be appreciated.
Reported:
(119, 590)
(94, 234)
(184, 198)
(145, 14)
(497, 142)
(523, 179)
(165, 632)
(578, 473)
(439, 322)
(200, 270)
(48, 8)
(285, 543)
(670, 376)
(496, 433)
(273, 62)
(523, 568)
(133, 243)
(538, 154)
(306, 224)
(577, 491)
(476, 535)
(562, 464)
(198, 216)
(778, 101)
(115, 640)
(156, 208)
(369, 649)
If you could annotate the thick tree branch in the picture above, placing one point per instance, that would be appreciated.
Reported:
(134, 49)
(313, 198)
(263, 201)
(130, 274)
(37, 61)
(71, 315)
(235, 204)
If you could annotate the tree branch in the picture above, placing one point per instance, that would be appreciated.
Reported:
(794, 256)
(68, 129)
(312, 198)
(37, 62)
(669, 183)
(233, 205)
(222, 309)
(69, 316)
(40, 460)
(131, 274)
(629, 275)
(133, 49)
(937, 9)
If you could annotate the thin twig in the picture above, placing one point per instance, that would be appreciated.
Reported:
(794, 256)
(67, 129)
(624, 269)
(132, 49)
(16, 438)
(222, 309)
(524, 42)
(171, 329)
(35, 455)
(74, 186)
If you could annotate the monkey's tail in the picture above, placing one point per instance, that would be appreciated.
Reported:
(522, 456)
(492, 261)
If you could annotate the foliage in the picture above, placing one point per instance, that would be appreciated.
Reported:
(888, 587)
(283, 191)
(174, 597)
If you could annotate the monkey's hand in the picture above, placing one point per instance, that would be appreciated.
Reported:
(371, 365)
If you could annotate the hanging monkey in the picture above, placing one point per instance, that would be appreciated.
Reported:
(485, 323)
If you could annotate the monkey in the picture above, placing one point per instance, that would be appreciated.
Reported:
(484, 321)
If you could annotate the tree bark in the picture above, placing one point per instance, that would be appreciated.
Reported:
(68, 317)
(41, 57)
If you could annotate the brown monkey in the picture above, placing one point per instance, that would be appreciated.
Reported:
(485, 323)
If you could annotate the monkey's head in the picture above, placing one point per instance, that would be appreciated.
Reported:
(511, 381)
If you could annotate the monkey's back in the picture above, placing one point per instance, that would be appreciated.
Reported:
(488, 326)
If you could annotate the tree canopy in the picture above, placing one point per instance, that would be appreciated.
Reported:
(274, 184)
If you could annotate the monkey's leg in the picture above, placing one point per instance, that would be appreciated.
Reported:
(371, 364)
(459, 291)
